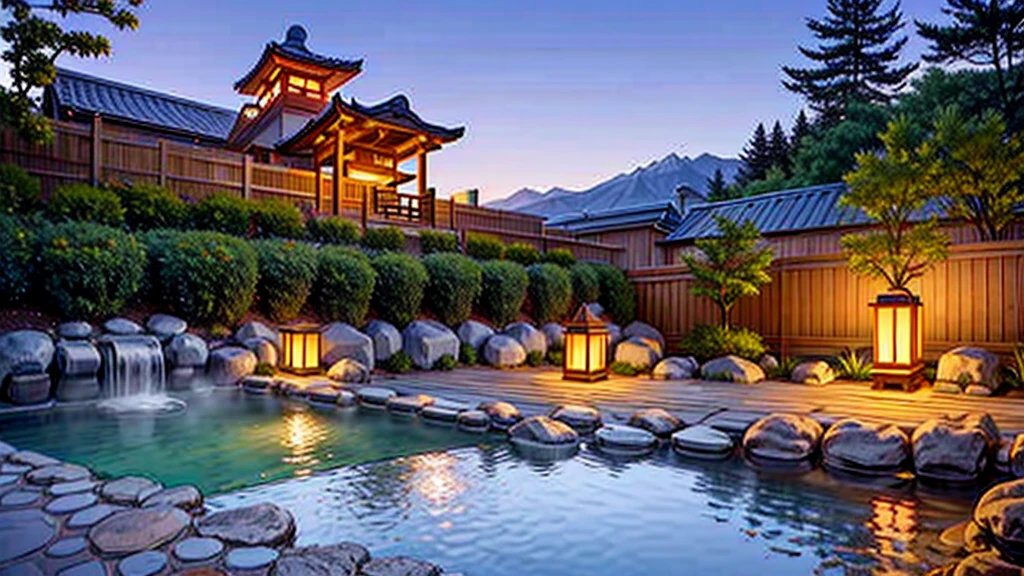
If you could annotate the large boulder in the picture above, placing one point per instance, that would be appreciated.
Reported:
(77, 359)
(625, 440)
(533, 340)
(639, 352)
(702, 440)
(954, 449)
(340, 340)
(399, 566)
(122, 327)
(257, 525)
(28, 389)
(165, 326)
(614, 334)
(542, 432)
(646, 331)
(474, 334)
(265, 351)
(258, 330)
(787, 437)
(426, 342)
(1000, 515)
(675, 368)
(504, 351)
(186, 351)
(817, 373)
(739, 370)
(25, 352)
(230, 364)
(74, 330)
(583, 419)
(386, 339)
(136, 530)
(554, 333)
(344, 559)
(77, 388)
(656, 421)
(348, 371)
(965, 366)
(857, 446)
(502, 414)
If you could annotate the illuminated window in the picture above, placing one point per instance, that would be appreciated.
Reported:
(313, 85)
(297, 81)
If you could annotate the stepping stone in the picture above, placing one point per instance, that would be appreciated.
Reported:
(439, 414)
(619, 439)
(67, 547)
(31, 459)
(702, 440)
(347, 398)
(583, 419)
(18, 469)
(74, 330)
(473, 421)
(65, 488)
(59, 473)
(6, 449)
(257, 384)
(94, 568)
(656, 421)
(409, 404)
(129, 490)
(257, 525)
(23, 532)
(135, 530)
(502, 414)
(8, 479)
(323, 395)
(142, 564)
(91, 516)
(71, 503)
(186, 497)
(336, 560)
(375, 397)
(250, 558)
(23, 569)
(198, 549)
(122, 327)
(399, 566)
(19, 498)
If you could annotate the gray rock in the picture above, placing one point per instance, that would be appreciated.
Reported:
(122, 327)
(8, 479)
(70, 503)
(542, 430)
(92, 515)
(947, 388)
(186, 497)
(1016, 456)
(344, 559)
(740, 370)
(554, 333)
(58, 473)
(857, 446)
(349, 371)
(78, 389)
(642, 353)
(387, 340)
(67, 547)
(257, 525)
(656, 421)
(27, 568)
(646, 331)
(399, 566)
(347, 398)
(596, 309)
(978, 390)
(145, 563)
(25, 352)
(198, 549)
(230, 364)
(965, 365)
(473, 421)
(75, 330)
(583, 419)
(76, 487)
(28, 389)
(614, 334)
(474, 334)
(531, 339)
(440, 413)
(340, 340)
(23, 532)
(322, 393)
(768, 362)
(250, 558)
(409, 404)
(426, 342)
(19, 498)
(258, 330)
(77, 358)
(137, 529)
(501, 414)
(165, 326)
(186, 351)
(375, 397)
(129, 490)
(1000, 515)
(816, 373)
(701, 439)
(265, 351)
(90, 568)
(257, 384)
(956, 449)
(675, 368)
(783, 437)
(503, 351)
(30, 458)
(619, 439)
(6, 450)
(180, 379)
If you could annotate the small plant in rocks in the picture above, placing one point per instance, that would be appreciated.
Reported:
(446, 363)
(556, 357)
(265, 369)
(398, 363)
(719, 377)
(534, 358)
(784, 370)
(853, 365)
(624, 368)
(467, 354)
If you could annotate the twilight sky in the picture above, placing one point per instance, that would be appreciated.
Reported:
(552, 92)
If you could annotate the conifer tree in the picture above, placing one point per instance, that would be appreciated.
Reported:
(756, 157)
(778, 150)
(717, 188)
(801, 129)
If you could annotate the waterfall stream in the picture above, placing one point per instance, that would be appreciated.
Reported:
(133, 376)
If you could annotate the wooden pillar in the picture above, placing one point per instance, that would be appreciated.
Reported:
(339, 171)
(96, 170)
(421, 183)
(318, 185)
(246, 176)
(162, 151)
(364, 206)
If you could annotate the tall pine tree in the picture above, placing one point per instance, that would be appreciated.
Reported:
(717, 188)
(778, 150)
(756, 157)
(857, 58)
(801, 129)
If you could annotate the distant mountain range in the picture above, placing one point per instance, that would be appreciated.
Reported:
(656, 182)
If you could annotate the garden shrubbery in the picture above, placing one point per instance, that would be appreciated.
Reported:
(453, 286)
(287, 270)
(17, 248)
(433, 241)
(272, 218)
(617, 295)
(89, 270)
(524, 254)
(401, 280)
(148, 207)
(385, 239)
(223, 212)
(344, 285)
(586, 284)
(333, 230)
(20, 192)
(550, 292)
(84, 203)
(708, 341)
(560, 256)
(484, 247)
(503, 290)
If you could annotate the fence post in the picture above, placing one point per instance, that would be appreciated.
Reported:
(246, 176)
(364, 208)
(96, 171)
(162, 153)
(454, 207)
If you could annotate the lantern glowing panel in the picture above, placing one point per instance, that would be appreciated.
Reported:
(586, 348)
(300, 347)
(898, 341)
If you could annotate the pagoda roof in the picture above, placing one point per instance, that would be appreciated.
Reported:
(294, 50)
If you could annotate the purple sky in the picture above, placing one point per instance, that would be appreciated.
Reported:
(552, 92)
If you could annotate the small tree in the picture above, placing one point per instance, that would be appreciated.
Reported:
(891, 189)
(730, 266)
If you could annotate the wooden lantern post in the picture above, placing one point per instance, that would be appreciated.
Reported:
(898, 341)
(586, 347)
(300, 348)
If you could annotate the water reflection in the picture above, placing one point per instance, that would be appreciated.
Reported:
(894, 526)
(302, 435)
(433, 476)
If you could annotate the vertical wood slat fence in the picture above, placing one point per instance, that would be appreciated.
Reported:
(816, 305)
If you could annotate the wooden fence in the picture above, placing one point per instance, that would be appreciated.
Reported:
(814, 304)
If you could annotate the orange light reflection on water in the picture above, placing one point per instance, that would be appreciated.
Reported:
(433, 476)
(894, 525)
(302, 434)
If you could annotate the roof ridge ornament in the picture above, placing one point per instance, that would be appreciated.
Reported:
(296, 37)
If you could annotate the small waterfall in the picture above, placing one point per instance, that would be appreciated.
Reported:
(133, 375)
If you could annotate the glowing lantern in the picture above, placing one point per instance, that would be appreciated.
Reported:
(586, 347)
(898, 341)
(300, 347)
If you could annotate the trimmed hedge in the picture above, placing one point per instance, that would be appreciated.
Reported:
(272, 218)
(484, 247)
(550, 292)
(287, 270)
(208, 277)
(617, 294)
(401, 281)
(223, 212)
(560, 256)
(586, 284)
(17, 248)
(333, 230)
(708, 341)
(344, 285)
(20, 192)
(453, 286)
(521, 253)
(432, 242)
(386, 239)
(502, 291)
(84, 203)
(89, 270)
(148, 207)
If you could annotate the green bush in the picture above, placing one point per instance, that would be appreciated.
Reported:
(20, 192)
(586, 284)
(446, 363)
(89, 270)
(556, 357)
(148, 207)
(718, 376)
(272, 218)
(223, 212)
(560, 256)
(854, 365)
(84, 203)
(617, 294)
(467, 354)
(453, 287)
(386, 239)
(624, 368)
(344, 285)
(333, 230)
(525, 254)
(550, 292)
(534, 358)
(265, 369)
(208, 277)
(398, 363)
(158, 244)
(784, 371)
(433, 241)
(484, 247)
(401, 281)
(17, 248)
(287, 270)
(708, 341)
(502, 291)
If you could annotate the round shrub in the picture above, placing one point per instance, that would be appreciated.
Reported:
(433, 241)
(446, 363)
(272, 218)
(398, 363)
(617, 294)
(209, 277)
(484, 247)
(709, 341)
(386, 239)
(223, 212)
(586, 284)
(84, 203)
(401, 281)
(17, 242)
(561, 256)
(158, 244)
(147, 207)
(550, 292)
(333, 230)
(453, 287)
(467, 354)
(20, 192)
(287, 270)
(502, 291)
(89, 270)
(344, 285)
(534, 358)
(525, 254)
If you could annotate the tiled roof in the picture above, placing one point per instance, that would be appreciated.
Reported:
(87, 94)
(664, 216)
(294, 48)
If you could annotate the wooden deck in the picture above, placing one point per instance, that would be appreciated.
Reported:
(731, 407)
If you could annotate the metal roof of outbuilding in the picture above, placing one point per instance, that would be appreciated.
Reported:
(662, 215)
